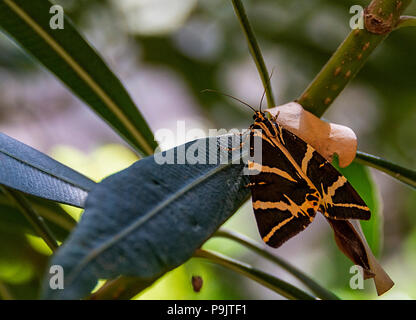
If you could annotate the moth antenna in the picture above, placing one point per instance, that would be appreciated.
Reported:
(261, 100)
(264, 91)
(229, 96)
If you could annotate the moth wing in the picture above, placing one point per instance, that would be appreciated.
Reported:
(278, 221)
(339, 198)
(283, 202)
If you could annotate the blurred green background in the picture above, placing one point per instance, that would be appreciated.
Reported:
(165, 52)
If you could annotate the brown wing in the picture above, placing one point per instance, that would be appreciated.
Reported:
(283, 202)
(339, 198)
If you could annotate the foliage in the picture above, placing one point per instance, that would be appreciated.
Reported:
(146, 220)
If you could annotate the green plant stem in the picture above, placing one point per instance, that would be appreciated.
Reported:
(66, 222)
(405, 175)
(32, 216)
(406, 21)
(317, 289)
(381, 16)
(254, 50)
(122, 288)
(281, 287)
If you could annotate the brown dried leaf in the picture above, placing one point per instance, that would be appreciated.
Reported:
(381, 279)
(351, 244)
(327, 138)
(351, 241)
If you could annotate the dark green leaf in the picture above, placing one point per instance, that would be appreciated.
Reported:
(12, 220)
(150, 218)
(68, 55)
(28, 170)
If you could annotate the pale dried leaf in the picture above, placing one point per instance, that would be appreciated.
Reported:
(381, 279)
(327, 138)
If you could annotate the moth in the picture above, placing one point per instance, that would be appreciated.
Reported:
(293, 183)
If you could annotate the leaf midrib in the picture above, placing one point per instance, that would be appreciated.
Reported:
(45, 171)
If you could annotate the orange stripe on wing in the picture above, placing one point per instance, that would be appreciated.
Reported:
(273, 231)
(267, 169)
(351, 205)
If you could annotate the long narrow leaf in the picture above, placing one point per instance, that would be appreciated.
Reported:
(68, 55)
(150, 217)
(28, 170)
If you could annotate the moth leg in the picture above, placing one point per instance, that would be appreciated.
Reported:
(274, 118)
(252, 184)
